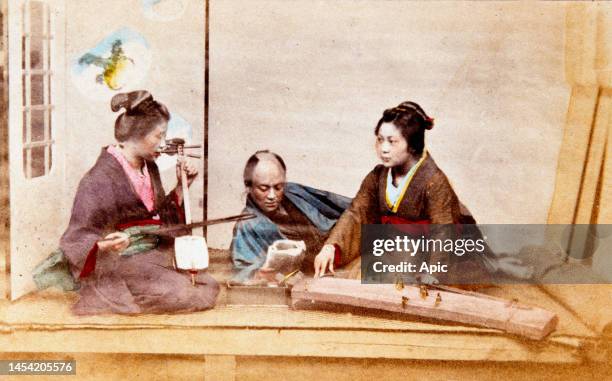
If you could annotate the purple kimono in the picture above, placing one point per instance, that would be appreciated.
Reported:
(140, 283)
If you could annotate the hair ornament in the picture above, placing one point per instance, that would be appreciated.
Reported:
(430, 123)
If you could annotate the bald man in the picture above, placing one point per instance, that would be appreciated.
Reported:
(284, 211)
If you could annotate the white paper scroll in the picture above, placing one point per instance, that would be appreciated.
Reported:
(285, 255)
(191, 253)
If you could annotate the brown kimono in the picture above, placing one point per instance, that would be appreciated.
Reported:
(429, 198)
(140, 283)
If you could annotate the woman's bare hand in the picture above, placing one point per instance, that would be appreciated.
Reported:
(190, 169)
(324, 260)
(118, 241)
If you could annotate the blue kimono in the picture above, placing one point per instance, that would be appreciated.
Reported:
(252, 237)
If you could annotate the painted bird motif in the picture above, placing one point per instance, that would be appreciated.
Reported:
(113, 66)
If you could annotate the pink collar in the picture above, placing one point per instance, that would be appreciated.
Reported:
(141, 181)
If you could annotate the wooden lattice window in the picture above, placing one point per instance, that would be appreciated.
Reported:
(37, 105)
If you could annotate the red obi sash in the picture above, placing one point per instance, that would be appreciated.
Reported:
(90, 261)
(414, 226)
(406, 225)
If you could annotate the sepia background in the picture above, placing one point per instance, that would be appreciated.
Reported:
(309, 80)
(520, 93)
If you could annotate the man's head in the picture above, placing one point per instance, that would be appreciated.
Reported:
(264, 178)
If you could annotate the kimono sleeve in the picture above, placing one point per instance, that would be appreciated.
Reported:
(249, 249)
(444, 211)
(168, 206)
(332, 205)
(442, 203)
(346, 234)
(171, 211)
(92, 214)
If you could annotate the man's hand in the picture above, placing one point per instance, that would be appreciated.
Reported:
(119, 241)
(324, 260)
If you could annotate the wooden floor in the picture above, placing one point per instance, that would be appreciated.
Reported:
(231, 336)
(154, 367)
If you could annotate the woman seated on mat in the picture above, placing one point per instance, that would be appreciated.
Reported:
(407, 188)
(119, 274)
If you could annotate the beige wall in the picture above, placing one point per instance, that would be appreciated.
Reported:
(309, 80)
(176, 77)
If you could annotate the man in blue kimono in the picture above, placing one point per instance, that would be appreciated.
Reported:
(284, 210)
